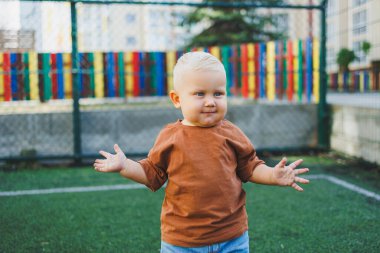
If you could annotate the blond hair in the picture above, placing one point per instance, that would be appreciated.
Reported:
(195, 61)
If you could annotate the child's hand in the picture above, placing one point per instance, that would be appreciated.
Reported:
(287, 175)
(112, 163)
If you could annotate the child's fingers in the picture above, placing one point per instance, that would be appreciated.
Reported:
(301, 171)
(98, 167)
(100, 164)
(301, 180)
(100, 161)
(294, 165)
(297, 187)
(104, 153)
(282, 163)
(117, 148)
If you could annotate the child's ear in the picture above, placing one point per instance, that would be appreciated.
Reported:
(175, 99)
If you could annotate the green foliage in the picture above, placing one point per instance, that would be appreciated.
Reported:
(366, 47)
(226, 26)
(344, 58)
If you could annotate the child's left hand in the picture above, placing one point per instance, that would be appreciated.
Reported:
(287, 175)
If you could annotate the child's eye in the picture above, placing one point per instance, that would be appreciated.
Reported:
(199, 94)
(218, 94)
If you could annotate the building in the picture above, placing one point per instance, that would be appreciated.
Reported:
(295, 23)
(101, 27)
(349, 24)
(12, 37)
(122, 27)
(51, 23)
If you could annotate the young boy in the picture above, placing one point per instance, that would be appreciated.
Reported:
(205, 159)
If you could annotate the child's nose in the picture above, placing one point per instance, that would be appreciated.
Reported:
(210, 102)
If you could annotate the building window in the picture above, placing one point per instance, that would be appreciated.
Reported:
(359, 22)
(130, 18)
(359, 2)
(131, 41)
(331, 31)
(281, 22)
(357, 47)
(331, 7)
(331, 57)
(154, 19)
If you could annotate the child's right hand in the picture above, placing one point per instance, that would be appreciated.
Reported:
(112, 163)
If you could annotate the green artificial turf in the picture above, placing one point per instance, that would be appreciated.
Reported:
(324, 218)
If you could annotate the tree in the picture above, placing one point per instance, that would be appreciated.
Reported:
(232, 25)
(344, 58)
(366, 47)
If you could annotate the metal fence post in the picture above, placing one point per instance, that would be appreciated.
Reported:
(323, 114)
(76, 112)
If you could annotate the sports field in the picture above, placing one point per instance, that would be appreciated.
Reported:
(333, 214)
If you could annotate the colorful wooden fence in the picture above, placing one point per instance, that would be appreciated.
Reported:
(363, 80)
(275, 70)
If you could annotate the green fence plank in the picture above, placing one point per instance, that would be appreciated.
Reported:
(226, 62)
(239, 69)
(284, 66)
(46, 76)
(26, 75)
(92, 74)
(120, 63)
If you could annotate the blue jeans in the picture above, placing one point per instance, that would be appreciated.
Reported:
(237, 245)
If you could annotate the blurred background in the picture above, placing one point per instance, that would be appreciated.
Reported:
(76, 77)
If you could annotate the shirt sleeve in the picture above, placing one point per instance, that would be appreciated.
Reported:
(155, 165)
(247, 160)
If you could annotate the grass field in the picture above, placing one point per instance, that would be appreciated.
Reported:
(324, 218)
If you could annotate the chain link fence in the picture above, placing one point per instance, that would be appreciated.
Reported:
(77, 77)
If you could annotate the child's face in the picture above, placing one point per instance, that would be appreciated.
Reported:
(202, 98)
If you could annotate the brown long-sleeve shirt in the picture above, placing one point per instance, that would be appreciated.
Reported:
(204, 201)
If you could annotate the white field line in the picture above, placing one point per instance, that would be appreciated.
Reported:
(331, 179)
(347, 185)
(74, 189)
